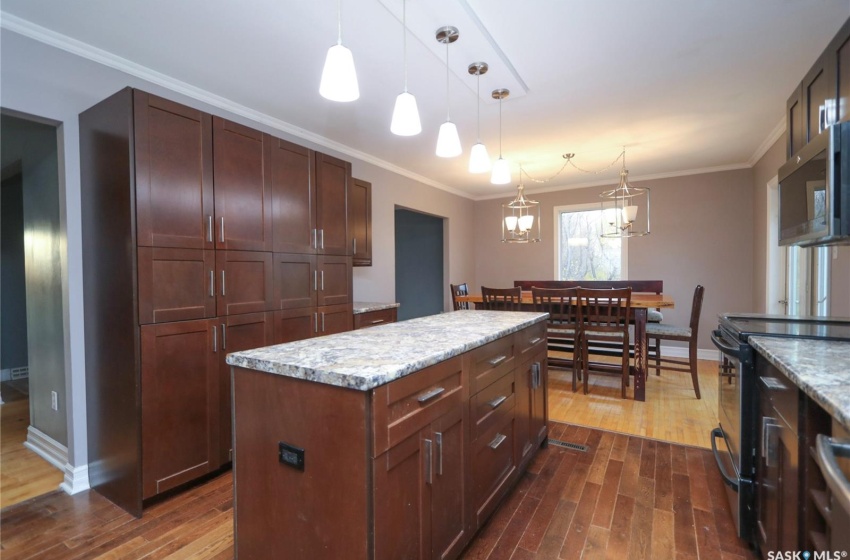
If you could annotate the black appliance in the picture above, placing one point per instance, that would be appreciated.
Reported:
(737, 396)
(814, 191)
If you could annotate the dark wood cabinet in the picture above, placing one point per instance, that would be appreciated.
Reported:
(360, 221)
(295, 280)
(332, 178)
(795, 134)
(175, 284)
(842, 66)
(292, 173)
(333, 319)
(180, 403)
(531, 411)
(245, 282)
(295, 324)
(375, 318)
(334, 282)
(243, 194)
(321, 284)
(818, 89)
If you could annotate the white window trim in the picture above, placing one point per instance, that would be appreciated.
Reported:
(556, 215)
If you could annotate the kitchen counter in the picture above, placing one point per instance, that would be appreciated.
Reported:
(365, 359)
(368, 306)
(821, 368)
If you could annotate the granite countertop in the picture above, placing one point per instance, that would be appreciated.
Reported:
(366, 358)
(821, 368)
(367, 306)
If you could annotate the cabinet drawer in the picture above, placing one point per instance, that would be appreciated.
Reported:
(491, 361)
(489, 406)
(492, 466)
(529, 339)
(405, 406)
(374, 318)
(783, 393)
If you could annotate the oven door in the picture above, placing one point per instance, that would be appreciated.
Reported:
(733, 461)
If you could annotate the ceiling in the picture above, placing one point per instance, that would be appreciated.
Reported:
(684, 86)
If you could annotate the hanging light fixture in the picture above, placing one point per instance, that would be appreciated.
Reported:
(521, 218)
(339, 78)
(501, 169)
(479, 159)
(405, 113)
(621, 213)
(448, 141)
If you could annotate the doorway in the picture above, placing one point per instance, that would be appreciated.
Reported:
(418, 264)
(32, 337)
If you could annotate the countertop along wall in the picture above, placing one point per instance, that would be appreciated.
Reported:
(701, 233)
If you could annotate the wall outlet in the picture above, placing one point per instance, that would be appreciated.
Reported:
(54, 400)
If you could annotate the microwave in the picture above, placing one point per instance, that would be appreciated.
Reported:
(814, 191)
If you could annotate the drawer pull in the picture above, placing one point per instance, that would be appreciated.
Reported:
(425, 397)
(429, 475)
(438, 439)
(497, 401)
(378, 321)
(498, 360)
(535, 340)
(772, 383)
(497, 441)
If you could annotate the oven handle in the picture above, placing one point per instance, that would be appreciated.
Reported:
(733, 351)
(730, 481)
(832, 474)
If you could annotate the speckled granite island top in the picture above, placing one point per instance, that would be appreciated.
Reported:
(367, 306)
(367, 358)
(821, 368)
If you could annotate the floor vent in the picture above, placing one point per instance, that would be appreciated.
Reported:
(568, 445)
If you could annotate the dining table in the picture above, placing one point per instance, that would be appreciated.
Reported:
(640, 303)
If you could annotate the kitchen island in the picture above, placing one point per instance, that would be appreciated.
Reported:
(396, 441)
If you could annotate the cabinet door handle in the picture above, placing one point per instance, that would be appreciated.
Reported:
(316, 322)
(212, 283)
(223, 290)
(772, 383)
(535, 340)
(322, 281)
(315, 280)
(429, 478)
(498, 360)
(438, 438)
(354, 241)
(378, 321)
(425, 397)
(223, 336)
(315, 244)
(321, 239)
(769, 430)
(497, 441)
(535, 375)
(323, 321)
(215, 339)
(497, 401)
(209, 228)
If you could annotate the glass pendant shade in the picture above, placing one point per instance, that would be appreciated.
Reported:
(448, 141)
(511, 222)
(339, 78)
(501, 172)
(521, 219)
(405, 116)
(479, 159)
(621, 208)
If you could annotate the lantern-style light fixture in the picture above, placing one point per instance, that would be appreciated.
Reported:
(521, 218)
(625, 209)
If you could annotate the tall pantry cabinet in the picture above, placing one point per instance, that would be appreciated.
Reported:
(190, 222)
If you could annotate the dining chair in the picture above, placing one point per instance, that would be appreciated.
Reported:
(562, 326)
(501, 299)
(459, 290)
(603, 317)
(656, 332)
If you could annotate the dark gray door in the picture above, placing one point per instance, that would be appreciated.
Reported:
(418, 264)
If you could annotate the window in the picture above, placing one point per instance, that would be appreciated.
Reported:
(580, 252)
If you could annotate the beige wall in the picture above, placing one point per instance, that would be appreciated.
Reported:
(764, 170)
(701, 234)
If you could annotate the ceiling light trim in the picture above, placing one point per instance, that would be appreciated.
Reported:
(62, 42)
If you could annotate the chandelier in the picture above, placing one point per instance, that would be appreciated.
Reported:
(521, 218)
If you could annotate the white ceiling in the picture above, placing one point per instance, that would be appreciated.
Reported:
(684, 85)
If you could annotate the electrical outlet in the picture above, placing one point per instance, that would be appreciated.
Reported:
(54, 400)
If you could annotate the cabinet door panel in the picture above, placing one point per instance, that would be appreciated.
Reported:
(174, 179)
(843, 69)
(180, 403)
(243, 199)
(295, 324)
(334, 280)
(360, 221)
(335, 319)
(796, 134)
(238, 333)
(332, 178)
(175, 284)
(539, 402)
(295, 280)
(448, 492)
(291, 171)
(244, 282)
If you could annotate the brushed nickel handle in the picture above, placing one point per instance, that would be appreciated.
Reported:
(772, 383)
(221, 230)
(316, 322)
(209, 228)
(223, 336)
(315, 244)
(535, 375)
(215, 339)
(212, 283)
(836, 481)
(322, 281)
(378, 321)
(429, 477)
(497, 401)
(497, 441)
(323, 321)
(425, 397)
(321, 238)
(355, 245)
(498, 360)
(438, 437)
(223, 290)
(315, 280)
(535, 340)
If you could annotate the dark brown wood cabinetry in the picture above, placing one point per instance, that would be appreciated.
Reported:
(375, 318)
(360, 221)
(182, 212)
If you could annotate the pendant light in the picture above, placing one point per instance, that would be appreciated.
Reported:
(620, 208)
(479, 159)
(521, 218)
(448, 141)
(501, 169)
(405, 113)
(339, 78)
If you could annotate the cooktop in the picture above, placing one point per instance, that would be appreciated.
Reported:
(827, 328)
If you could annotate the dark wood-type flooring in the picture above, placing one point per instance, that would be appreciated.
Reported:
(625, 498)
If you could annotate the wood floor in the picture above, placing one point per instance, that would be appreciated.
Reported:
(670, 413)
(627, 497)
(23, 474)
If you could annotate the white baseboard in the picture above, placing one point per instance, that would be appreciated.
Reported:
(76, 479)
(47, 448)
(682, 352)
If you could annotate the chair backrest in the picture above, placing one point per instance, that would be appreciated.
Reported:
(560, 303)
(501, 299)
(459, 290)
(696, 309)
(604, 310)
(637, 286)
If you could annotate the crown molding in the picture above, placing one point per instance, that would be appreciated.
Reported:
(63, 42)
(771, 139)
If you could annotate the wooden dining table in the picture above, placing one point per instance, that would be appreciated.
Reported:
(640, 303)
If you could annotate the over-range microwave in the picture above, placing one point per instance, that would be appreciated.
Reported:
(814, 191)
